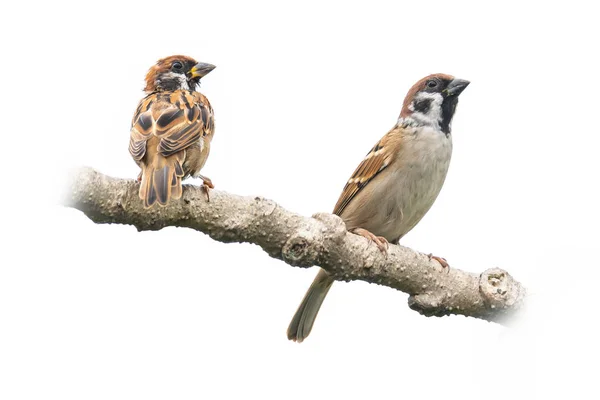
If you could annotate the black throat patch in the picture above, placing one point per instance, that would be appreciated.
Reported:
(448, 108)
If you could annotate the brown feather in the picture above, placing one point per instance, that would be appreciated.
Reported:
(170, 140)
(406, 168)
(420, 85)
(382, 153)
(378, 158)
(161, 66)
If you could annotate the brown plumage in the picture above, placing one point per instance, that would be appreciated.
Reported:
(396, 183)
(417, 87)
(374, 162)
(171, 129)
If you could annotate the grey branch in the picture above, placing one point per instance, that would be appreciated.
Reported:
(303, 242)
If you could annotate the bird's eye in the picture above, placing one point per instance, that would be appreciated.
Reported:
(431, 83)
(177, 66)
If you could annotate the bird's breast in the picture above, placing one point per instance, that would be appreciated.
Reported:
(413, 182)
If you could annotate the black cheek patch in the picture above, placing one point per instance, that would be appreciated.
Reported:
(422, 105)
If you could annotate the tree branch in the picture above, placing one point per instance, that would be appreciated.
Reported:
(300, 241)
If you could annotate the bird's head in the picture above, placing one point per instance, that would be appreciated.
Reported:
(176, 72)
(432, 101)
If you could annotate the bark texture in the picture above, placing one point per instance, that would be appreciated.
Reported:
(322, 240)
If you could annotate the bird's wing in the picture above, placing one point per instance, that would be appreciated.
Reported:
(178, 118)
(375, 161)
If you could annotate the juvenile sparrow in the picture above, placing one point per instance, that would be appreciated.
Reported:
(172, 129)
(396, 183)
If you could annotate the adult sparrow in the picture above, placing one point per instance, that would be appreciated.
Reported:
(172, 129)
(396, 183)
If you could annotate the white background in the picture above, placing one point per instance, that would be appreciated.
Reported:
(301, 92)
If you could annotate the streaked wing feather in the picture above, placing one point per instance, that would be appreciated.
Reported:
(169, 121)
(180, 137)
(142, 127)
(185, 126)
(378, 158)
(179, 118)
(137, 148)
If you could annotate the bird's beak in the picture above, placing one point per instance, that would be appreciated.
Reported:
(201, 69)
(456, 87)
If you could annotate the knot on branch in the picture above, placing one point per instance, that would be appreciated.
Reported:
(499, 290)
(303, 248)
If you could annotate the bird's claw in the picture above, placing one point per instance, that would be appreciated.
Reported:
(440, 260)
(381, 242)
(206, 184)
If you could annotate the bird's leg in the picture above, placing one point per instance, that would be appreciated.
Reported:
(441, 260)
(206, 184)
(380, 241)
(206, 181)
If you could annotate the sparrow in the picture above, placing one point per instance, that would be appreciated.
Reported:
(396, 183)
(171, 129)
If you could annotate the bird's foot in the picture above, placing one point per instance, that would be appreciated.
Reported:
(380, 241)
(206, 184)
(441, 260)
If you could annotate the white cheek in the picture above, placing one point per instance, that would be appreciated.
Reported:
(180, 78)
(433, 117)
(184, 83)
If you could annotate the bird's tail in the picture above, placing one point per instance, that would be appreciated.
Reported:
(161, 180)
(303, 320)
